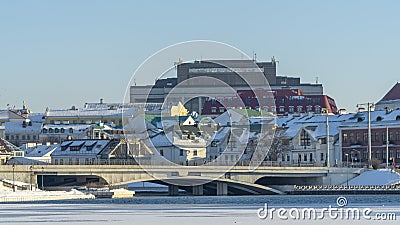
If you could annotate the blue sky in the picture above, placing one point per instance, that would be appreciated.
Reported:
(62, 53)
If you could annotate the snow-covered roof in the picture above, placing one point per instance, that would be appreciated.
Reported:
(37, 117)
(3, 114)
(376, 177)
(40, 150)
(161, 140)
(16, 127)
(65, 147)
(230, 116)
(76, 127)
(85, 113)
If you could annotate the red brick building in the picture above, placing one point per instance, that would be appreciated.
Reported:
(285, 101)
(354, 137)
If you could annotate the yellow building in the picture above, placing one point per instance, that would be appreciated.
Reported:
(179, 110)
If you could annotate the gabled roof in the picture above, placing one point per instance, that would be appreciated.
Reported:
(6, 147)
(393, 94)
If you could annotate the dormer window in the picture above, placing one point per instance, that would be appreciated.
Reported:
(379, 118)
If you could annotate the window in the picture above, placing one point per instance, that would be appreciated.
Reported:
(221, 109)
(397, 136)
(23, 137)
(195, 153)
(291, 109)
(56, 161)
(305, 139)
(398, 153)
(50, 130)
(213, 101)
(391, 153)
(299, 157)
(288, 158)
(7, 137)
(311, 157)
(357, 137)
(283, 158)
(213, 109)
(309, 108)
(34, 137)
(56, 130)
(161, 152)
(378, 154)
(365, 154)
(318, 109)
(322, 156)
(61, 162)
(62, 130)
(71, 130)
(305, 157)
(213, 144)
(384, 136)
(351, 138)
(77, 161)
(51, 121)
(181, 152)
(391, 136)
(299, 108)
(344, 138)
(28, 137)
(322, 141)
(44, 131)
(365, 137)
(281, 109)
(377, 136)
(12, 137)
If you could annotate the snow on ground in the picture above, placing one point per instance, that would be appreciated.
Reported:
(38, 195)
(376, 177)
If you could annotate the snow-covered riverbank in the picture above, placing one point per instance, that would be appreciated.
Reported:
(38, 195)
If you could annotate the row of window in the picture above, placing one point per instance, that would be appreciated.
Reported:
(375, 136)
(56, 130)
(305, 157)
(23, 137)
(299, 109)
(83, 122)
(75, 161)
(180, 152)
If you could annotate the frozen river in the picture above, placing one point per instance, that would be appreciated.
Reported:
(191, 210)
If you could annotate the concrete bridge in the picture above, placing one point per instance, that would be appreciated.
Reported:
(195, 179)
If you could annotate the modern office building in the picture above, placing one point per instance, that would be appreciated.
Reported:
(222, 72)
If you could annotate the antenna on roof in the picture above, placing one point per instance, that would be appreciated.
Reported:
(316, 80)
(178, 62)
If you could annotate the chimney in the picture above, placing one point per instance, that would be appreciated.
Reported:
(24, 124)
(30, 123)
(101, 101)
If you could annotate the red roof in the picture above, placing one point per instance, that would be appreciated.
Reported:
(393, 94)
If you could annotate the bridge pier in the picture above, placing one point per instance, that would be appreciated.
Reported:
(198, 190)
(173, 190)
(222, 189)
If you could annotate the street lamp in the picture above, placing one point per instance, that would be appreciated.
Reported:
(42, 178)
(13, 175)
(369, 105)
(328, 163)
(30, 178)
(347, 173)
